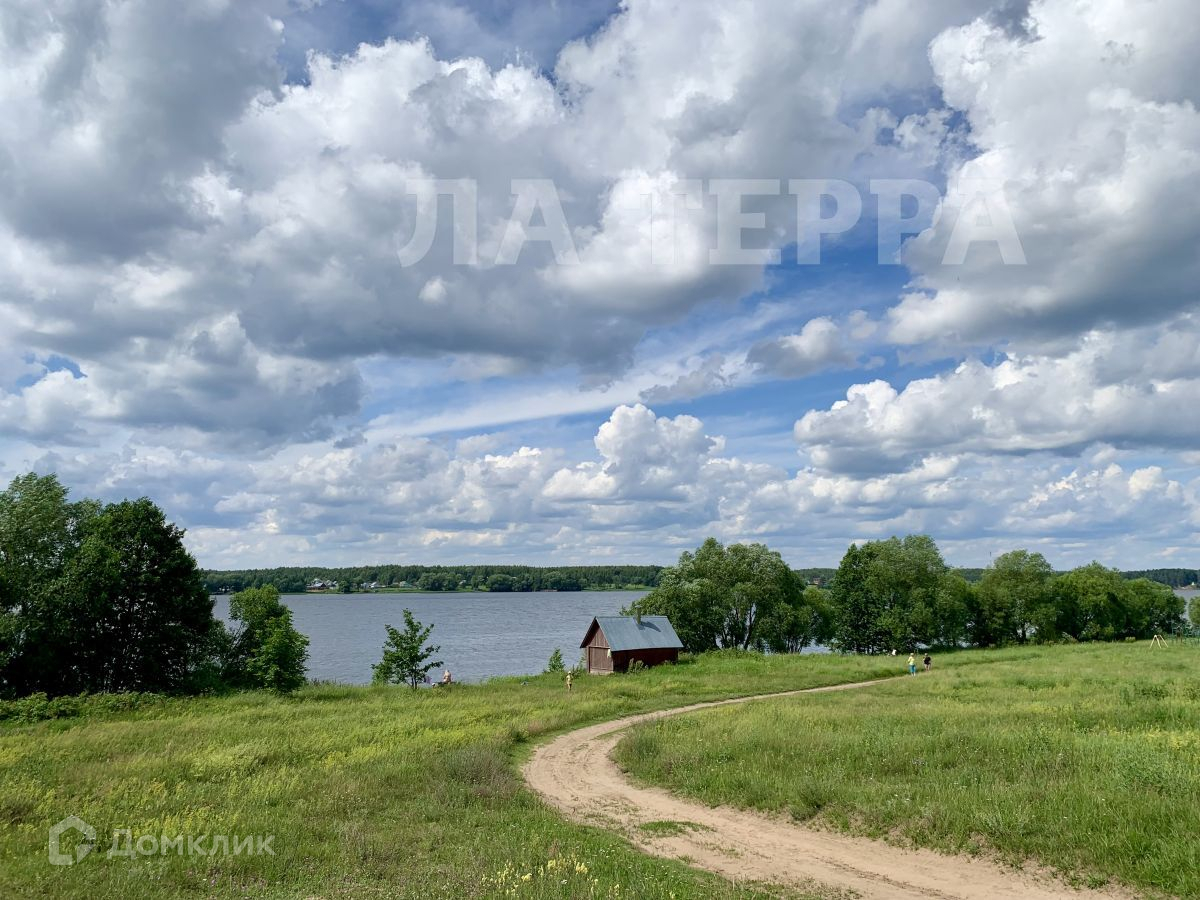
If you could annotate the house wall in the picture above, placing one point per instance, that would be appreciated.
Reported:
(598, 660)
(653, 657)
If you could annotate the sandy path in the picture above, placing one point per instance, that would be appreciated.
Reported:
(575, 773)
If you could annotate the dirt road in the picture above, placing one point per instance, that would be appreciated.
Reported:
(575, 773)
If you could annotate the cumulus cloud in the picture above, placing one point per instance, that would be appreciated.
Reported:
(819, 345)
(655, 485)
(1125, 389)
(1092, 172)
(203, 297)
(160, 176)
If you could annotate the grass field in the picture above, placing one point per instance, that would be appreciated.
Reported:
(369, 792)
(1085, 759)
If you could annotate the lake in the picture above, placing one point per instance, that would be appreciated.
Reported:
(481, 635)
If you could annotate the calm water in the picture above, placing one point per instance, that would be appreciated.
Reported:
(481, 635)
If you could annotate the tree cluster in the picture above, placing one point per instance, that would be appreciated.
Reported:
(900, 594)
(105, 598)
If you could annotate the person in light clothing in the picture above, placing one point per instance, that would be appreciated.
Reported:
(912, 664)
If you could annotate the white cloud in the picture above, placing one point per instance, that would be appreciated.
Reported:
(656, 485)
(1093, 171)
(819, 345)
(1124, 389)
(215, 253)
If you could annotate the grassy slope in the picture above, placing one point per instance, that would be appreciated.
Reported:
(368, 791)
(1084, 758)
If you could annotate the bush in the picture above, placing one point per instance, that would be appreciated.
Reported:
(39, 707)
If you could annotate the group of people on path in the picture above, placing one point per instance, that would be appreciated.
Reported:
(912, 663)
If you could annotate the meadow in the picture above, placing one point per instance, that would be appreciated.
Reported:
(1082, 759)
(368, 791)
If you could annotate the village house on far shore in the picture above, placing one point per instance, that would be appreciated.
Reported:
(613, 642)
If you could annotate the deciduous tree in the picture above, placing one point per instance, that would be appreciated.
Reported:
(406, 655)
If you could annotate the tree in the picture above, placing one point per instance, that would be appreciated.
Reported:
(556, 665)
(267, 651)
(806, 619)
(501, 583)
(1153, 608)
(98, 598)
(406, 656)
(722, 596)
(1010, 600)
(905, 576)
(952, 610)
(278, 663)
(856, 610)
(40, 531)
(896, 594)
(1092, 603)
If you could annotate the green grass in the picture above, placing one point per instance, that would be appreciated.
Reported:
(1085, 759)
(369, 792)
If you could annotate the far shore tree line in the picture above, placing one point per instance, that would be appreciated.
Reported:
(899, 594)
(105, 598)
(519, 579)
(495, 578)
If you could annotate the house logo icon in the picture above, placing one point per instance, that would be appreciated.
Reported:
(82, 849)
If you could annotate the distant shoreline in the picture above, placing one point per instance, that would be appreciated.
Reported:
(361, 591)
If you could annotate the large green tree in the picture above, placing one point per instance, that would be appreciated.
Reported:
(98, 598)
(906, 575)
(856, 610)
(1094, 603)
(896, 594)
(1011, 600)
(722, 596)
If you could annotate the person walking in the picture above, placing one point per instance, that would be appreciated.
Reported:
(912, 664)
(928, 662)
(569, 679)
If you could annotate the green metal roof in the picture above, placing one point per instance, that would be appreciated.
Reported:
(627, 633)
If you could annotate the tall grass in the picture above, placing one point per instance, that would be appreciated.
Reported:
(1085, 759)
(369, 792)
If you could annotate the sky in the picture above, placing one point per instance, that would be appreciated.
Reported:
(209, 294)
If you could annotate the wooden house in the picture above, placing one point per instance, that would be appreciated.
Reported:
(613, 642)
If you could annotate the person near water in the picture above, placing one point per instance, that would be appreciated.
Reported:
(912, 664)
(447, 678)
(569, 679)
(928, 662)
